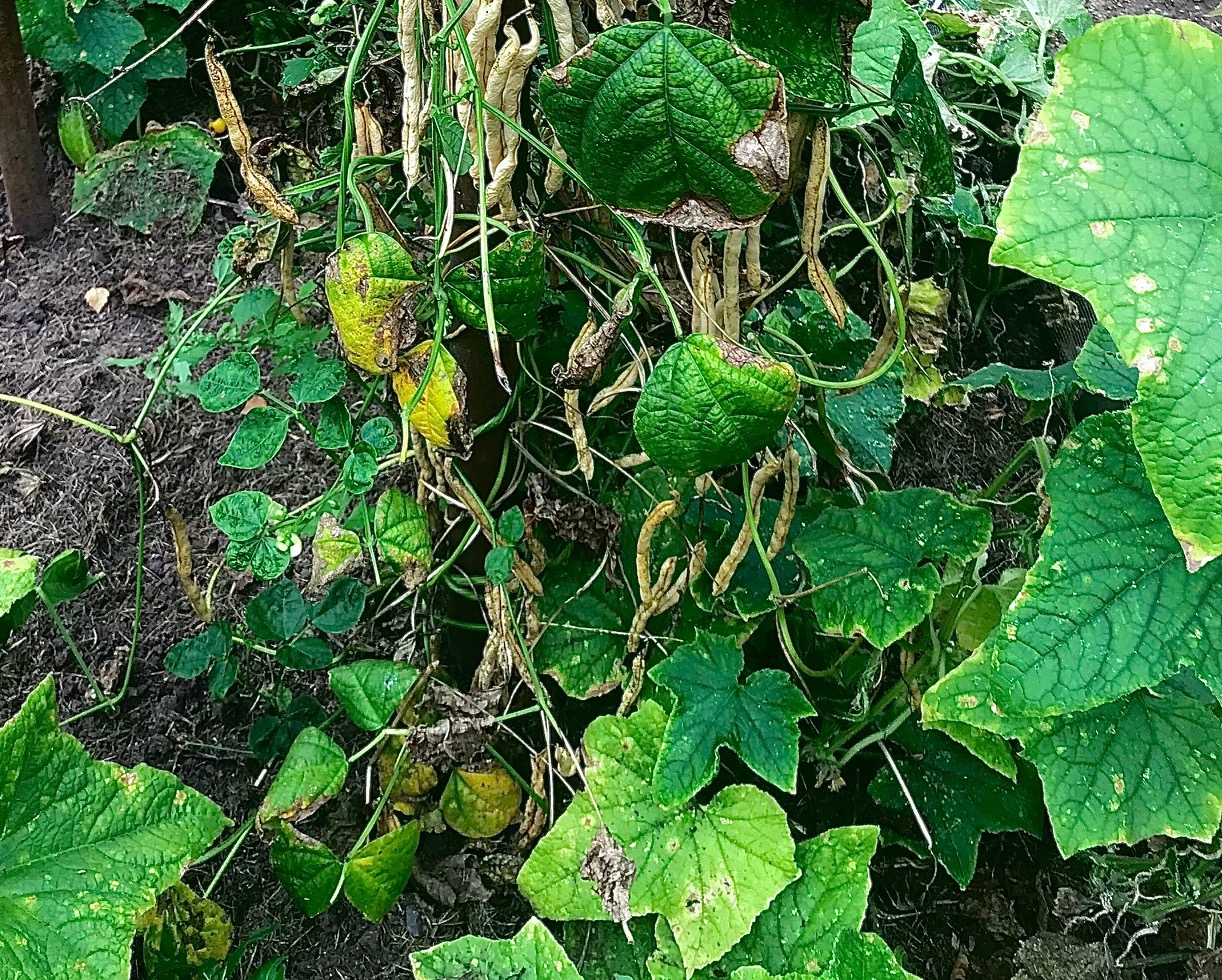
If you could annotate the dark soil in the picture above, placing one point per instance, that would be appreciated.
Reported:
(1199, 10)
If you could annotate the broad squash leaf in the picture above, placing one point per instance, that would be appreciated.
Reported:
(1108, 611)
(709, 870)
(710, 404)
(533, 954)
(517, 278)
(875, 567)
(440, 414)
(85, 848)
(1117, 197)
(49, 33)
(1101, 369)
(959, 796)
(798, 931)
(810, 44)
(696, 129)
(758, 719)
(855, 956)
(368, 284)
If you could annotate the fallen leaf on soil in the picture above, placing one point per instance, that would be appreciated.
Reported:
(96, 298)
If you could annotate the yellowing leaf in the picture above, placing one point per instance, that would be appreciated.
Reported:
(480, 804)
(440, 414)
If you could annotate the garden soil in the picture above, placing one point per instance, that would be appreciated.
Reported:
(64, 487)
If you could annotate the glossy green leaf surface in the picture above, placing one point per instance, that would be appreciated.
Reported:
(709, 404)
(876, 53)
(309, 870)
(370, 690)
(313, 771)
(709, 870)
(517, 278)
(875, 567)
(230, 384)
(402, 529)
(376, 874)
(85, 848)
(811, 45)
(696, 128)
(1117, 197)
(258, 438)
(757, 718)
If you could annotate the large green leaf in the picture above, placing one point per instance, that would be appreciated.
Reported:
(533, 954)
(314, 770)
(1108, 611)
(49, 33)
(85, 848)
(1139, 767)
(875, 567)
(710, 404)
(758, 719)
(107, 33)
(798, 931)
(695, 128)
(1108, 608)
(959, 797)
(1118, 197)
(876, 53)
(810, 44)
(709, 870)
(855, 956)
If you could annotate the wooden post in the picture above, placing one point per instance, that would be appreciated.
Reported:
(22, 162)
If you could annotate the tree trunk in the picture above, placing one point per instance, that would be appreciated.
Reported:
(22, 163)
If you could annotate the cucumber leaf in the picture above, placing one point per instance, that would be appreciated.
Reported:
(1117, 197)
(533, 954)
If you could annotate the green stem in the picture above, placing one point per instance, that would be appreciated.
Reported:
(66, 416)
(1024, 453)
(239, 839)
(345, 159)
(98, 693)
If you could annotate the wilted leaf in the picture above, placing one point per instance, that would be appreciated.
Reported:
(335, 552)
(480, 804)
(402, 529)
(368, 285)
(183, 933)
(440, 414)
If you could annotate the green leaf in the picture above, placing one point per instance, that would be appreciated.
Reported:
(455, 145)
(318, 381)
(402, 529)
(511, 525)
(49, 34)
(241, 515)
(601, 950)
(371, 690)
(518, 278)
(341, 608)
(258, 438)
(811, 45)
(924, 134)
(530, 955)
(498, 565)
(107, 34)
(1108, 608)
(264, 556)
(66, 577)
(376, 874)
(313, 771)
(277, 613)
(1143, 766)
(1117, 198)
(306, 653)
(191, 657)
(860, 956)
(959, 797)
(161, 179)
(876, 566)
(85, 848)
(360, 469)
(708, 870)
(116, 109)
(583, 629)
(757, 719)
(309, 871)
(876, 53)
(170, 59)
(1101, 369)
(222, 677)
(380, 434)
(230, 384)
(18, 576)
(798, 931)
(1029, 384)
(698, 128)
(334, 429)
(710, 404)
(864, 420)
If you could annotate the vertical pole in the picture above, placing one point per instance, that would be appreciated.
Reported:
(22, 162)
